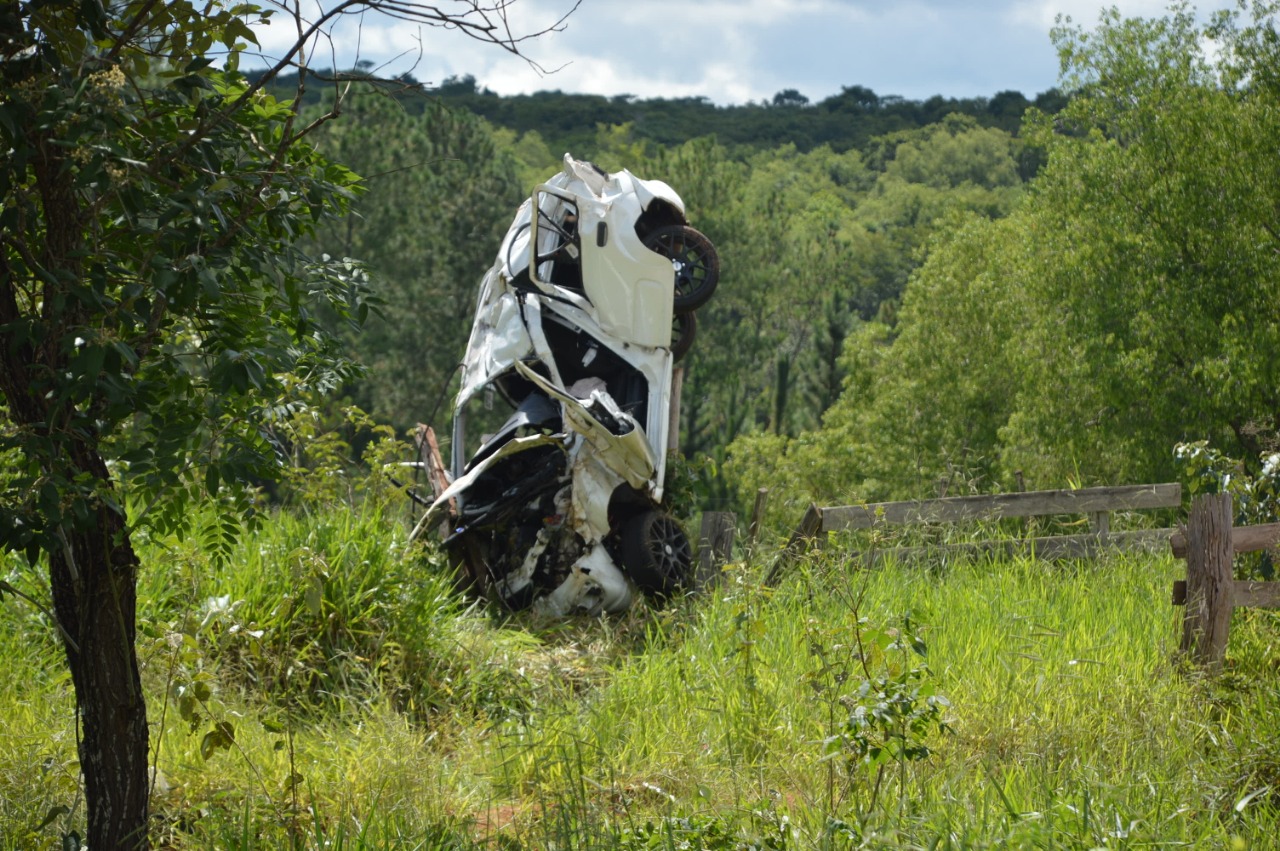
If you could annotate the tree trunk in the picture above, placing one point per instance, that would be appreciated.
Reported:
(93, 570)
(94, 582)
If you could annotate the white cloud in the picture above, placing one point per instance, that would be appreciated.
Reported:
(735, 51)
(1043, 13)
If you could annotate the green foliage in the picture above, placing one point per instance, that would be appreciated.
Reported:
(1156, 287)
(156, 324)
(156, 311)
(881, 703)
(324, 469)
(762, 829)
(322, 608)
(1128, 302)
(687, 485)
(1255, 496)
(436, 196)
(893, 709)
(847, 120)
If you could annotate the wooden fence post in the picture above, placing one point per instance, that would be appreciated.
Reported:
(715, 545)
(1100, 523)
(810, 528)
(1209, 580)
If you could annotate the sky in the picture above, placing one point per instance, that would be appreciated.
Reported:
(729, 51)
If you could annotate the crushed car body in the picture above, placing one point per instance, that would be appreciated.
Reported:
(554, 496)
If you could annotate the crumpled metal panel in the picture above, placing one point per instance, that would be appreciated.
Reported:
(594, 294)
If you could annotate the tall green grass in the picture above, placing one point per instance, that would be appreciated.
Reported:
(1071, 725)
(326, 687)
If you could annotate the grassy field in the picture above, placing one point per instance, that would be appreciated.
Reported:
(325, 688)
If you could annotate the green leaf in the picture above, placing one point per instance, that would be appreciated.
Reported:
(1249, 799)
(54, 813)
(314, 595)
(221, 737)
(88, 363)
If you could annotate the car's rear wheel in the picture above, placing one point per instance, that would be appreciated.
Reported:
(684, 328)
(656, 552)
(696, 263)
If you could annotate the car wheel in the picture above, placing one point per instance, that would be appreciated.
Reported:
(656, 552)
(684, 328)
(697, 265)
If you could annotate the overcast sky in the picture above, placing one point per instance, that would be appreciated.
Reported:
(735, 51)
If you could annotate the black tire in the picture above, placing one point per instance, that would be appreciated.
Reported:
(656, 553)
(697, 265)
(684, 328)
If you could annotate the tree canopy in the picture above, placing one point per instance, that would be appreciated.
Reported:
(159, 311)
(1130, 301)
(851, 119)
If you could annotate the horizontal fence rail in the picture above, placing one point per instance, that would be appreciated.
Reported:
(1245, 593)
(995, 506)
(1052, 548)
(1244, 539)
(1094, 502)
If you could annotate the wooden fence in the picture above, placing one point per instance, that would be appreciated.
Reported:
(1210, 592)
(1096, 503)
(1208, 542)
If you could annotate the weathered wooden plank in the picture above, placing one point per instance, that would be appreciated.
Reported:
(1088, 546)
(1249, 539)
(1256, 595)
(1207, 618)
(810, 527)
(994, 506)
(1244, 539)
(1055, 548)
(1244, 594)
(715, 545)
(437, 475)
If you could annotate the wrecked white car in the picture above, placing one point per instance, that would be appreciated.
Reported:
(555, 499)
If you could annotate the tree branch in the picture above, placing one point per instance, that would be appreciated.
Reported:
(6, 588)
(486, 31)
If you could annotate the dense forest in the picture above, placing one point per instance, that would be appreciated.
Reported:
(847, 120)
(850, 119)
(815, 242)
(912, 291)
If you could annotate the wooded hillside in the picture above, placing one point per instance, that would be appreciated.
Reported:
(912, 290)
(850, 119)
